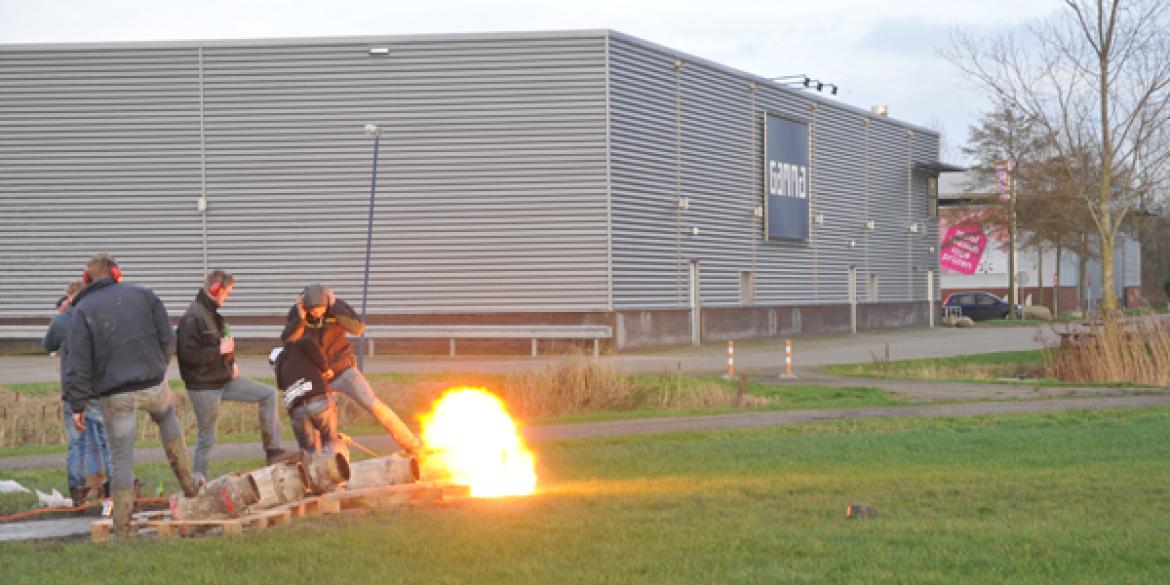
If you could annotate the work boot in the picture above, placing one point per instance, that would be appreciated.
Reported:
(396, 428)
(77, 494)
(92, 490)
(123, 508)
(273, 456)
(181, 464)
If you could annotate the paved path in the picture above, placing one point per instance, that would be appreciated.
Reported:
(751, 357)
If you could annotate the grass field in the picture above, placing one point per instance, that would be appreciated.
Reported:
(1060, 498)
(983, 367)
(581, 391)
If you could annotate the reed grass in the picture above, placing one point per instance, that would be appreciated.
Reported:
(1133, 350)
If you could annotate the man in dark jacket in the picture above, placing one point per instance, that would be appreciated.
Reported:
(303, 373)
(120, 340)
(207, 362)
(320, 314)
(87, 462)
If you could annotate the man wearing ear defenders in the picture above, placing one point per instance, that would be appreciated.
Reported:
(120, 340)
(319, 313)
(207, 362)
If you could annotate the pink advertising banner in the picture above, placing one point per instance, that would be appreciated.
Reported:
(962, 248)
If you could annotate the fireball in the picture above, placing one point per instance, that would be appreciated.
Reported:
(471, 438)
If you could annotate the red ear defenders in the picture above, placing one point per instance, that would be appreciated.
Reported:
(115, 273)
(217, 286)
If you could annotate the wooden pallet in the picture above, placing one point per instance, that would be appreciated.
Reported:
(396, 495)
(160, 523)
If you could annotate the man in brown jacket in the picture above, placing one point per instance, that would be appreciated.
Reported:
(319, 313)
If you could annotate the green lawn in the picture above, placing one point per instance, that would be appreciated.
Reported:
(1057, 498)
(984, 367)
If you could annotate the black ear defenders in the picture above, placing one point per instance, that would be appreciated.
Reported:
(115, 273)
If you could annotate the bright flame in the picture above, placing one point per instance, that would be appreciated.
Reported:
(471, 436)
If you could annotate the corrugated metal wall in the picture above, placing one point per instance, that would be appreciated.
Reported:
(491, 185)
(687, 128)
(99, 150)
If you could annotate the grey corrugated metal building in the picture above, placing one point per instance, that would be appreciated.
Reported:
(552, 177)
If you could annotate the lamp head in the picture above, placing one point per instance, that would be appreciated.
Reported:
(373, 130)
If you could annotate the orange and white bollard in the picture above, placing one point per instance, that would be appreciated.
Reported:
(787, 360)
(730, 360)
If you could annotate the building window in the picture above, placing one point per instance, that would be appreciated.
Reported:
(871, 289)
(747, 288)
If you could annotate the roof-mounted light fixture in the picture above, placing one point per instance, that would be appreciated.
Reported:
(379, 50)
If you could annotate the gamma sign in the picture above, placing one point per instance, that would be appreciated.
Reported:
(786, 212)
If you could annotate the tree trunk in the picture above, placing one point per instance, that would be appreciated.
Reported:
(1108, 292)
(1040, 274)
(1056, 284)
(1082, 264)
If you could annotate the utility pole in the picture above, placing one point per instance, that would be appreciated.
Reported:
(1007, 190)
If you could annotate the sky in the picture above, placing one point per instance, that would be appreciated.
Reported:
(883, 53)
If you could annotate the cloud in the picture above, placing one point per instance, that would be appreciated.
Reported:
(908, 36)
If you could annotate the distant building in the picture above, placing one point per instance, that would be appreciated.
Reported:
(582, 177)
(985, 267)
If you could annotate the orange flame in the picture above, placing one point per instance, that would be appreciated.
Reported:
(470, 435)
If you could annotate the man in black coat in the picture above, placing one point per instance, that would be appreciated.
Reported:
(207, 362)
(120, 340)
(303, 374)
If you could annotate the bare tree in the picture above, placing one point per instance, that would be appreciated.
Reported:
(1096, 77)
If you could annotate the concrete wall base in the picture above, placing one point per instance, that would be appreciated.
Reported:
(650, 328)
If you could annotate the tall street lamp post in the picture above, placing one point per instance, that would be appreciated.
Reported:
(376, 132)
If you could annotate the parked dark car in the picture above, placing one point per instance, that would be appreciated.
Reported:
(977, 305)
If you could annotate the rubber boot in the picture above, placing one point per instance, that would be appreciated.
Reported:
(396, 428)
(123, 508)
(77, 495)
(181, 464)
(277, 454)
(92, 490)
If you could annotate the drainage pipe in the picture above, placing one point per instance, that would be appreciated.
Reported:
(227, 496)
(327, 470)
(280, 484)
(392, 470)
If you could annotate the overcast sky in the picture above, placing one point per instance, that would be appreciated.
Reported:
(876, 52)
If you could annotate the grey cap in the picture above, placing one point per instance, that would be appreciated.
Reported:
(316, 296)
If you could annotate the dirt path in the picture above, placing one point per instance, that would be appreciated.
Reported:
(740, 420)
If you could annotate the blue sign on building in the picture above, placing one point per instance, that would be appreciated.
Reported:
(786, 179)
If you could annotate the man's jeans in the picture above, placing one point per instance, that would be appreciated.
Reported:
(122, 426)
(89, 450)
(314, 423)
(354, 385)
(206, 406)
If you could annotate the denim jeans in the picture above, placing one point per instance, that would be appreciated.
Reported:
(314, 423)
(89, 450)
(354, 385)
(119, 411)
(206, 406)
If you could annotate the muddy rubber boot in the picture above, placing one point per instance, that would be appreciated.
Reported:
(181, 464)
(274, 456)
(123, 508)
(396, 428)
(92, 490)
(76, 494)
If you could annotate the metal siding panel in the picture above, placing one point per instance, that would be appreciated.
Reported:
(99, 150)
(646, 267)
(491, 179)
(720, 146)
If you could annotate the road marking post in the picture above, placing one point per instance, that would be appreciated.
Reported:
(788, 361)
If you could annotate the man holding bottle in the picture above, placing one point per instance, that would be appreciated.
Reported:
(207, 363)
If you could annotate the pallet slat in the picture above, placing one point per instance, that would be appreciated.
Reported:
(332, 503)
